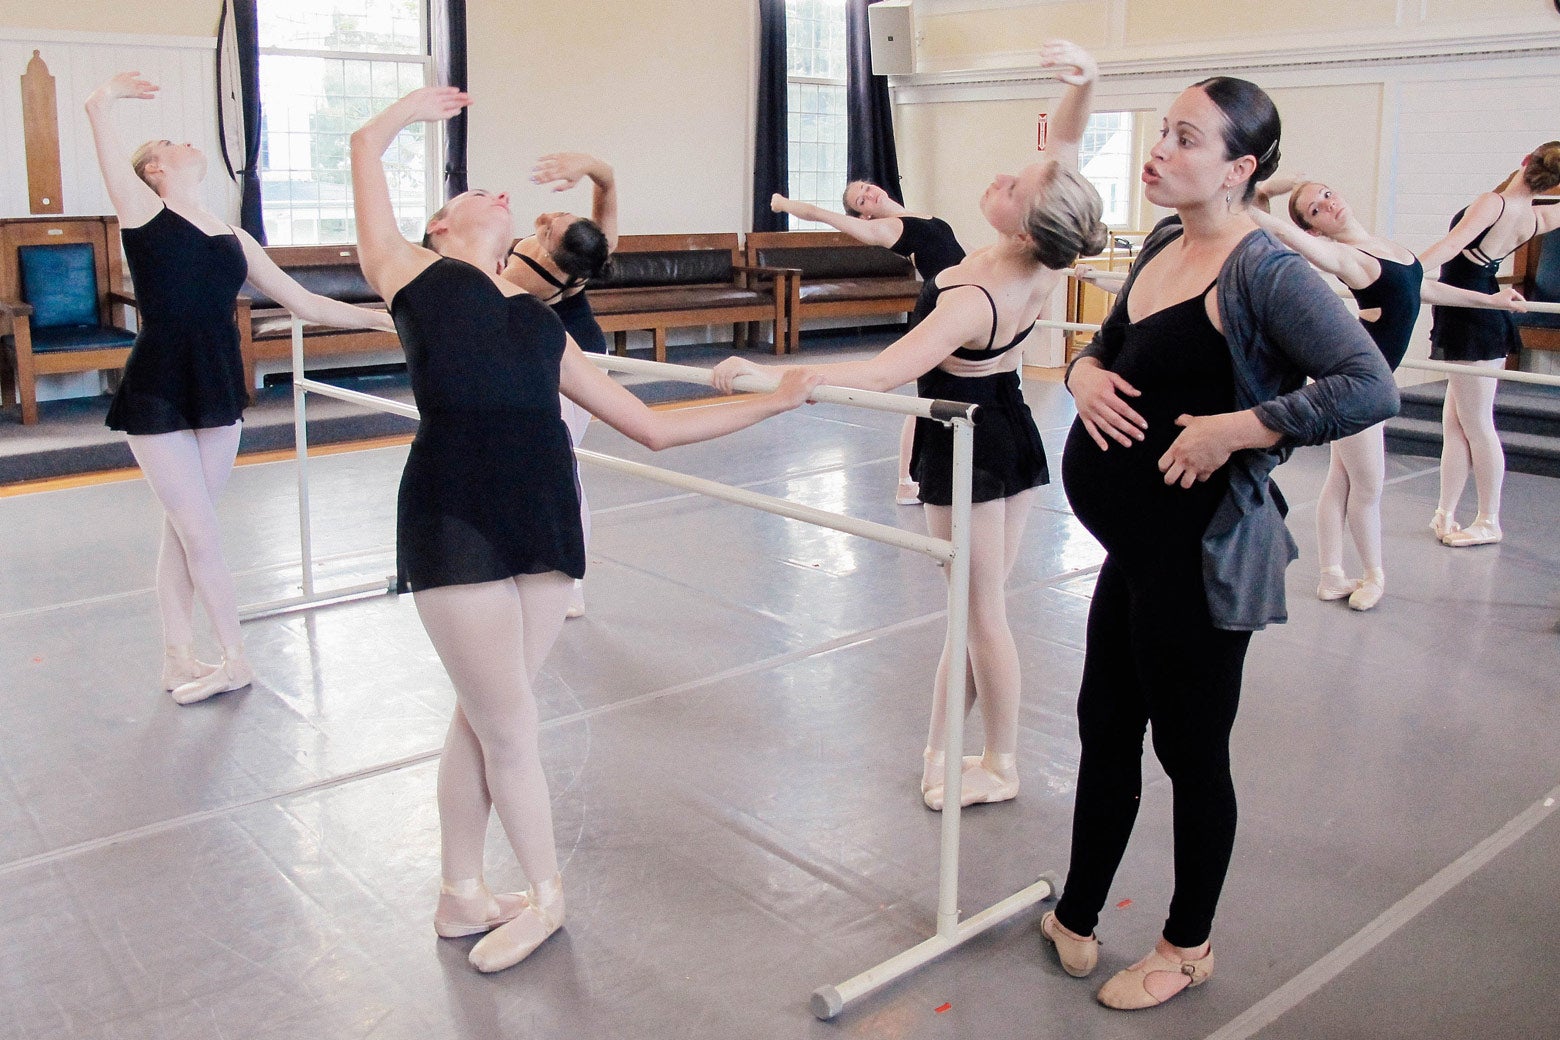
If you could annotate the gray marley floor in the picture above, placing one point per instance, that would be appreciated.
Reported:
(733, 737)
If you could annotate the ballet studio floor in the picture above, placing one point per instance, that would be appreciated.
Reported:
(733, 737)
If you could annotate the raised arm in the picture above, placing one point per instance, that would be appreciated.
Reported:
(1343, 262)
(1482, 213)
(561, 171)
(605, 398)
(133, 201)
(884, 231)
(1274, 186)
(1075, 67)
(270, 279)
(960, 319)
(388, 260)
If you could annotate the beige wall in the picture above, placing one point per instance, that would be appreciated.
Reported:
(142, 17)
(663, 92)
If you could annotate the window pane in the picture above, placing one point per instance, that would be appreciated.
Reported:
(386, 26)
(1105, 157)
(815, 38)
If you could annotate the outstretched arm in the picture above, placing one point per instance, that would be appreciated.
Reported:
(134, 202)
(276, 283)
(1110, 281)
(1345, 263)
(1441, 295)
(1482, 213)
(388, 260)
(1075, 67)
(959, 319)
(884, 231)
(602, 396)
(561, 171)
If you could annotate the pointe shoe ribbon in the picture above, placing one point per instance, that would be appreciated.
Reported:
(1442, 524)
(180, 666)
(233, 674)
(514, 941)
(1077, 954)
(1154, 980)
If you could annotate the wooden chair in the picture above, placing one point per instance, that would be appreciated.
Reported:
(61, 289)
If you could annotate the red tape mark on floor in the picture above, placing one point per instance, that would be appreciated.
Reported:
(940, 1010)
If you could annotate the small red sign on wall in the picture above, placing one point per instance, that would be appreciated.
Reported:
(1040, 143)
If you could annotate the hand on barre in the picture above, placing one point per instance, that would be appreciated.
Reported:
(725, 375)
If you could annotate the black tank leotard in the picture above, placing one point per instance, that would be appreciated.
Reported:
(489, 488)
(1009, 455)
(1396, 293)
(1470, 333)
(573, 310)
(930, 243)
(185, 371)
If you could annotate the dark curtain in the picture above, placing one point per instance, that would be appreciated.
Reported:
(869, 117)
(771, 172)
(447, 19)
(246, 28)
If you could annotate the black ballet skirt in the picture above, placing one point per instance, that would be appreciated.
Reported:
(489, 489)
(1009, 456)
(1469, 333)
(185, 371)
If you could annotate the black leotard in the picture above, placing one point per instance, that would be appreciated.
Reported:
(185, 371)
(1396, 293)
(930, 242)
(489, 488)
(1009, 455)
(1471, 333)
(573, 310)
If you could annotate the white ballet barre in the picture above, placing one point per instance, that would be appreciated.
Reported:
(311, 597)
(829, 1001)
(1505, 374)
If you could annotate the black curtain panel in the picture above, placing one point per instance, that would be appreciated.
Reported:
(869, 116)
(447, 18)
(771, 172)
(245, 30)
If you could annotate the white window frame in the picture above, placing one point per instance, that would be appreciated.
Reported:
(433, 158)
(836, 201)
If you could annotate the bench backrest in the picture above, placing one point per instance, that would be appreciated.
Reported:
(825, 255)
(1537, 268)
(659, 260)
(327, 270)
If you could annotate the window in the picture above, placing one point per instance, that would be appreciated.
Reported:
(325, 69)
(1106, 158)
(815, 102)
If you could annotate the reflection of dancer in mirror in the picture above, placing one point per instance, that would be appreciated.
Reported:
(1197, 372)
(553, 265)
(1387, 283)
(1045, 216)
(488, 518)
(1482, 235)
(182, 396)
(872, 216)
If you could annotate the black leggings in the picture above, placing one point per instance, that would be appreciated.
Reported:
(1153, 656)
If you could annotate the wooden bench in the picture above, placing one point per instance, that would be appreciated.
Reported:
(660, 282)
(265, 327)
(1536, 275)
(835, 276)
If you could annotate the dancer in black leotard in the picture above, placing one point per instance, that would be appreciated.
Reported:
(872, 216)
(488, 530)
(1387, 283)
(554, 264)
(1195, 375)
(1482, 235)
(183, 393)
(1045, 218)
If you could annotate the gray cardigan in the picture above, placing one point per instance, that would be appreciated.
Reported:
(1282, 324)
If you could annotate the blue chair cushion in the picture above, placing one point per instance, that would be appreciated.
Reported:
(60, 338)
(60, 281)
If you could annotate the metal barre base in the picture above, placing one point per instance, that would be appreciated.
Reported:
(294, 604)
(828, 1001)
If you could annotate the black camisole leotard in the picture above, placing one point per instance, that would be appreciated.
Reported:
(489, 489)
(1470, 333)
(1396, 293)
(930, 243)
(185, 371)
(573, 310)
(1009, 455)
